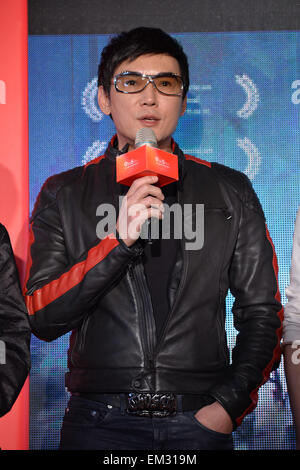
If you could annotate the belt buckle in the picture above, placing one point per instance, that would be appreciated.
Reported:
(151, 405)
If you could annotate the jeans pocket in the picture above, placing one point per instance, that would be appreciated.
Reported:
(219, 435)
(85, 413)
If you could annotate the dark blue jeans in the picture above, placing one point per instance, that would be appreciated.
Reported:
(93, 425)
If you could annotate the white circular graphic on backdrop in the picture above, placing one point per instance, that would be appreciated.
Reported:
(94, 151)
(252, 96)
(254, 157)
(89, 101)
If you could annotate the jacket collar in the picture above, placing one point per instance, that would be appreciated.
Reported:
(113, 151)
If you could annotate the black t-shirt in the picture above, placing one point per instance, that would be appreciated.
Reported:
(159, 259)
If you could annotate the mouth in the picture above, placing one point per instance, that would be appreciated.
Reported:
(149, 120)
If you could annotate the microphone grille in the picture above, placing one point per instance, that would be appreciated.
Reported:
(145, 136)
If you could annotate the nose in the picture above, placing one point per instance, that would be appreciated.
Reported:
(149, 95)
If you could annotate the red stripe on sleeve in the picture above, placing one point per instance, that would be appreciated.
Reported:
(58, 287)
(277, 349)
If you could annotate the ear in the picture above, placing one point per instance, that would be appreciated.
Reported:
(183, 105)
(103, 101)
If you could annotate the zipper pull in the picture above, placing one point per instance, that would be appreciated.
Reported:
(227, 214)
(130, 268)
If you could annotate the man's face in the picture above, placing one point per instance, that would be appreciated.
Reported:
(148, 108)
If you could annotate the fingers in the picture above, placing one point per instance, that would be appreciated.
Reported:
(151, 179)
(143, 192)
(135, 226)
(142, 213)
(142, 201)
(129, 224)
(143, 187)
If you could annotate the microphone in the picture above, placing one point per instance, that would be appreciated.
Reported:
(145, 136)
(147, 160)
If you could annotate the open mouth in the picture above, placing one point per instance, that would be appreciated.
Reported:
(149, 120)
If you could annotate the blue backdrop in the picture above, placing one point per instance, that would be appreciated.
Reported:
(243, 111)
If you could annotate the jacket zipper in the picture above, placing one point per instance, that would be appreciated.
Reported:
(143, 304)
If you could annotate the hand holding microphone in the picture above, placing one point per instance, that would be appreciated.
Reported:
(143, 168)
(142, 201)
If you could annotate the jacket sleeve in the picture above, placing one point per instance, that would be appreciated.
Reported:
(14, 328)
(257, 312)
(59, 293)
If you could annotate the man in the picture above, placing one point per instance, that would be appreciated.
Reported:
(14, 328)
(148, 360)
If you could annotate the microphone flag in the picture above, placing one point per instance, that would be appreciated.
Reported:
(147, 160)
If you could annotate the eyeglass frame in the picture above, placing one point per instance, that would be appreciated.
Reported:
(150, 80)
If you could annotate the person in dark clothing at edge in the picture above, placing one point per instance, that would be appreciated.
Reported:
(148, 358)
(14, 328)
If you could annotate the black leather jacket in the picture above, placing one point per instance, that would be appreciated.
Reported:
(97, 288)
(14, 328)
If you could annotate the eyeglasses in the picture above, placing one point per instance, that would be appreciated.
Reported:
(134, 82)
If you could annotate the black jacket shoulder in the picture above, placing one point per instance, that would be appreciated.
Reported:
(52, 186)
(240, 184)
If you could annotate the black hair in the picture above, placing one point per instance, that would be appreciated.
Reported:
(132, 44)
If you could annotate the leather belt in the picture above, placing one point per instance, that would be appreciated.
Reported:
(151, 404)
